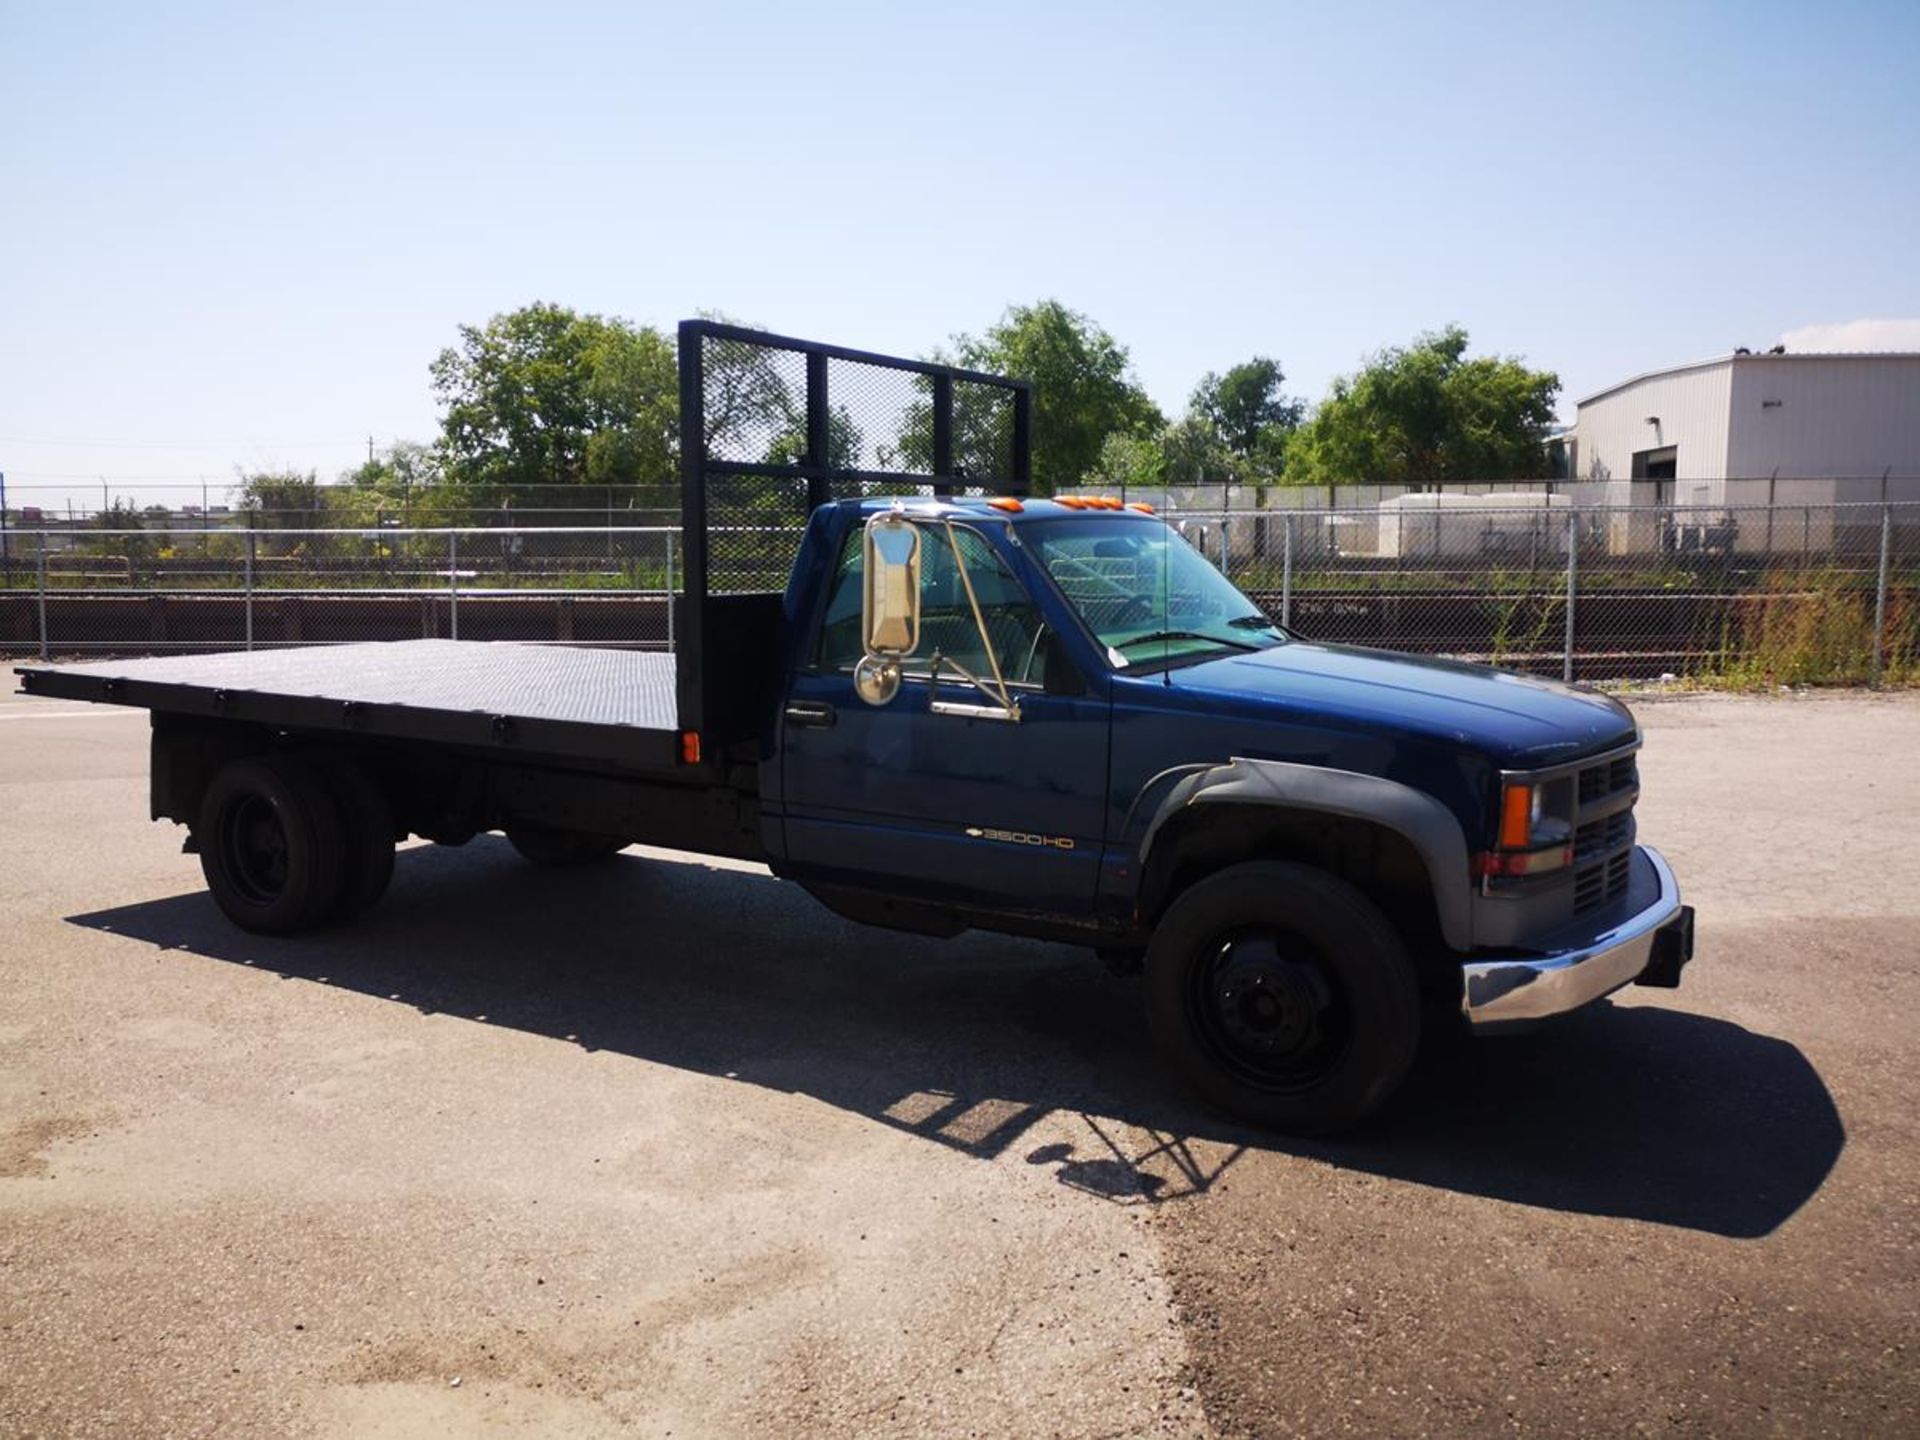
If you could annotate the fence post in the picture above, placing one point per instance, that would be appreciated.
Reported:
(453, 584)
(1880, 593)
(669, 589)
(43, 594)
(1573, 570)
(1286, 574)
(249, 587)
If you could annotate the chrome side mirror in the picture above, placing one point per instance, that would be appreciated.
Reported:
(876, 678)
(889, 605)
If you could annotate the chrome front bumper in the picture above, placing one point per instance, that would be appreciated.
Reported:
(1503, 990)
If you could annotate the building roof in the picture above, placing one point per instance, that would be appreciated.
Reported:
(1742, 359)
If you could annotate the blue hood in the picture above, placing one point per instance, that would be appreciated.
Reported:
(1519, 721)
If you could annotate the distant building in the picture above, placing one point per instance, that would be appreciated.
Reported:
(1677, 436)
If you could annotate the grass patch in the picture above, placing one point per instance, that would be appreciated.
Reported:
(1815, 628)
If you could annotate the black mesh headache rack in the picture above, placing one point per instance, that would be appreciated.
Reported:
(770, 429)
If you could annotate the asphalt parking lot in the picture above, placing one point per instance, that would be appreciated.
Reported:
(664, 1148)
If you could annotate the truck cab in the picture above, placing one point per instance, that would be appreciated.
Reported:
(1056, 718)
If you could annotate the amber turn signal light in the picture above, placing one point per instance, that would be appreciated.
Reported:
(1516, 817)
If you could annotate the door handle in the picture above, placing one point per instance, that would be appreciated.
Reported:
(814, 714)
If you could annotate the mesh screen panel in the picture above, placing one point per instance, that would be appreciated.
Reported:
(786, 425)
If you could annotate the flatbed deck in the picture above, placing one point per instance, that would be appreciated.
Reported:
(614, 706)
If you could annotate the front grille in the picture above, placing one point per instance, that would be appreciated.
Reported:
(1603, 881)
(1598, 837)
(1609, 777)
(1603, 843)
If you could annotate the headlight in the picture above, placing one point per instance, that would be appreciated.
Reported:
(1536, 828)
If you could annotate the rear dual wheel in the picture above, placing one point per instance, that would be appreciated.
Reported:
(288, 842)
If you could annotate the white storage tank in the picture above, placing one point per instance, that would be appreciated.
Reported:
(1439, 527)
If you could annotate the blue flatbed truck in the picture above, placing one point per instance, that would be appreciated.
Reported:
(970, 708)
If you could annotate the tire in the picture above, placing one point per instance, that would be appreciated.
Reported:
(1283, 996)
(272, 844)
(544, 846)
(367, 862)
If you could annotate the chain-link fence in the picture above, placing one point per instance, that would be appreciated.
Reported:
(1748, 595)
(1770, 594)
(164, 591)
(880, 421)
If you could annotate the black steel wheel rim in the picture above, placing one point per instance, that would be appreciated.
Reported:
(1270, 1010)
(253, 843)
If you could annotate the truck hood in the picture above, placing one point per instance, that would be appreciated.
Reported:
(1517, 720)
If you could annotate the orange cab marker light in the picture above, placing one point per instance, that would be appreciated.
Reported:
(1516, 817)
(690, 747)
(1142, 506)
(1072, 502)
(1006, 503)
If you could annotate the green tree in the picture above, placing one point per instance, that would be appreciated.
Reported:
(1427, 415)
(544, 395)
(1083, 388)
(282, 499)
(403, 484)
(1195, 453)
(1248, 410)
(122, 515)
(1130, 462)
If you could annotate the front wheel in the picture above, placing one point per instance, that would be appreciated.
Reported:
(1284, 996)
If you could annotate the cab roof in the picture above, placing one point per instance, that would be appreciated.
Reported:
(1015, 509)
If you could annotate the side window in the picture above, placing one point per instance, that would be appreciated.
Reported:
(946, 619)
(840, 639)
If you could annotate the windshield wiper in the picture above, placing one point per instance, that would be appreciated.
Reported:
(1159, 635)
(1256, 621)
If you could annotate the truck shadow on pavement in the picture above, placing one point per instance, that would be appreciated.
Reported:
(998, 1047)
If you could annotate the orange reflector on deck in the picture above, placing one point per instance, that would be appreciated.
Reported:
(690, 746)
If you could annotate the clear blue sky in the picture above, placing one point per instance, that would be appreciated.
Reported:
(237, 234)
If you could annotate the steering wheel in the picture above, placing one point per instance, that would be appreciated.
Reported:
(1133, 605)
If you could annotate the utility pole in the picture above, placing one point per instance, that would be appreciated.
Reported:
(6, 544)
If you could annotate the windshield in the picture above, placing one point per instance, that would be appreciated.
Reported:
(1147, 594)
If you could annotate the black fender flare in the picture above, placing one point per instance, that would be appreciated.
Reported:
(1428, 826)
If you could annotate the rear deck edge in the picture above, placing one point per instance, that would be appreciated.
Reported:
(630, 747)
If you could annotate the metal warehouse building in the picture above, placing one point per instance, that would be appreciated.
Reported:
(1678, 436)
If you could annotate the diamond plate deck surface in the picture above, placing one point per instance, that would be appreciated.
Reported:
(632, 688)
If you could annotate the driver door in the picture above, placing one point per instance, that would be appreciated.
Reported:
(917, 796)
